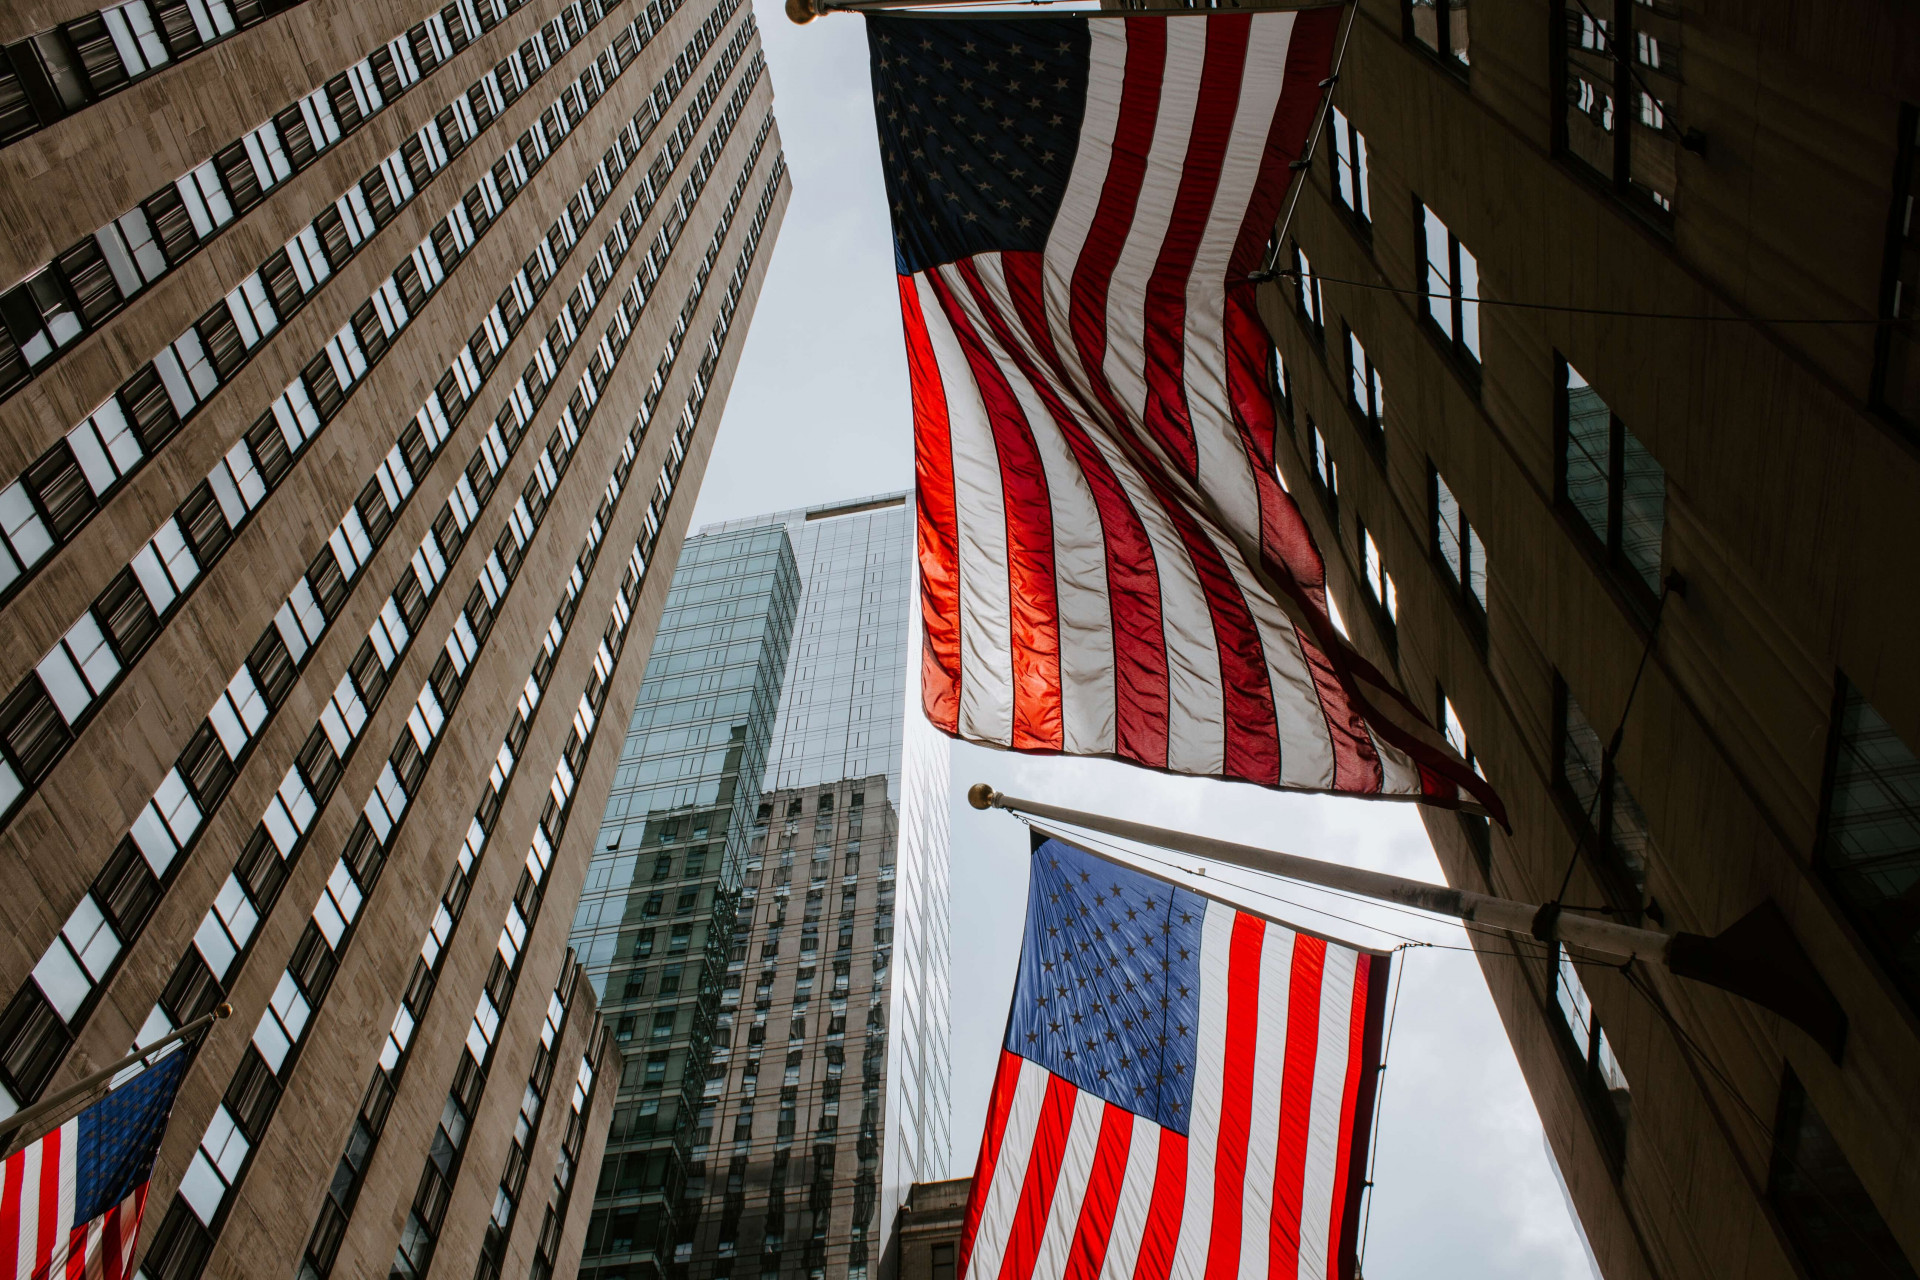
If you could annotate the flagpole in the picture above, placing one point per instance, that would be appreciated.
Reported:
(802, 12)
(22, 1119)
(1757, 957)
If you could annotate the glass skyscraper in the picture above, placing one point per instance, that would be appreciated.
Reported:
(766, 920)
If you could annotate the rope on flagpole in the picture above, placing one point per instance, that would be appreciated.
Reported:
(1304, 165)
(1379, 1091)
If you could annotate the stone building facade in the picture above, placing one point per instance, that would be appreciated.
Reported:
(358, 367)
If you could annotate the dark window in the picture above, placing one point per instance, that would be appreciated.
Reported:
(1593, 1056)
(172, 224)
(1450, 278)
(205, 524)
(33, 729)
(1457, 540)
(1365, 394)
(1833, 1223)
(221, 338)
(1440, 26)
(1609, 479)
(268, 444)
(942, 1262)
(1479, 832)
(1607, 818)
(127, 615)
(1307, 295)
(1618, 67)
(1324, 472)
(331, 230)
(238, 176)
(260, 870)
(33, 1038)
(1896, 365)
(152, 411)
(1350, 179)
(91, 281)
(1869, 850)
(272, 667)
(319, 765)
(205, 767)
(62, 489)
(328, 584)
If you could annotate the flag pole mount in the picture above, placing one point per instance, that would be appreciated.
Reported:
(21, 1120)
(1757, 957)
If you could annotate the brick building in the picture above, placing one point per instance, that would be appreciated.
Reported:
(358, 367)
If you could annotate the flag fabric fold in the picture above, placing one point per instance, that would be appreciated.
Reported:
(71, 1201)
(1185, 1090)
(1109, 562)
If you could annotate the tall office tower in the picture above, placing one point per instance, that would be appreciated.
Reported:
(1589, 295)
(767, 916)
(345, 453)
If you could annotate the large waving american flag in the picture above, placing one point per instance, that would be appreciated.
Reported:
(1185, 1090)
(71, 1201)
(1109, 563)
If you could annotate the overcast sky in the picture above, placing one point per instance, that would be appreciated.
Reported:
(819, 411)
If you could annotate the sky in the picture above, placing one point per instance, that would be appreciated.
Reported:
(1465, 1186)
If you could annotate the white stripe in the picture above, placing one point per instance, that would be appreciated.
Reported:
(1106, 76)
(986, 659)
(1203, 1135)
(1126, 359)
(1136, 1195)
(1306, 748)
(1263, 1129)
(29, 1208)
(1225, 477)
(1079, 545)
(1317, 1210)
(1010, 1172)
(1070, 1189)
(69, 1183)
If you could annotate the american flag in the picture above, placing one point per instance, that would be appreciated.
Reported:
(1109, 562)
(70, 1202)
(1185, 1089)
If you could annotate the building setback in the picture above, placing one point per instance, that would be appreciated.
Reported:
(1519, 500)
(766, 918)
(356, 377)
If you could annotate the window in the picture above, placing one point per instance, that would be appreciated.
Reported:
(1452, 275)
(1613, 484)
(942, 1262)
(1869, 851)
(1458, 542)
(1611, 53)
(1834, 1224)
(1325, 471)
(1601, 1077)
(1379, 582)
(1280, 384)
(1440, 25)
(1479, 834)
(1364, 392)
(1309, 295)
(1607, 817)
(1896, 371)
(1350, 168)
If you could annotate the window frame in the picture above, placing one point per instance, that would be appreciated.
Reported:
(1350, 166)
(1441, 51)
(1372, 415)
(1383, 597)
(1461, 591)
(1628, 95)
(1602, 1104)
(1902, 247)
(1478, 828)
(1609, 551)
(1309, 304)
(1595, 833)
(1466, 355)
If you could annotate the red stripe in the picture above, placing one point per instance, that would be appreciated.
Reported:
(939, 525)
(1161, 1235)
(76, 1262)
(1034, 609)
(50, 1227)
(10, 1224)
(1166, 416)
(1043, 1171)
(1341, 1225)
(1133, 579)
(1309, 62)
(1005, 1082)
(1119, 196)
(1296, 1105)
(1089, 1249)
(1236, 1094)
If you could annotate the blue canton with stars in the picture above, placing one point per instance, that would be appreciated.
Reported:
(1109, 990)
(120, 1133)
(979, 122)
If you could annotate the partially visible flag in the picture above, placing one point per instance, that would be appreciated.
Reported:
(70, 1203)
(1109, 563)
(1185, 1089)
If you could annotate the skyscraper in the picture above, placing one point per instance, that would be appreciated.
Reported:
(1596, 382)
(346, 447)
(766, 917)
